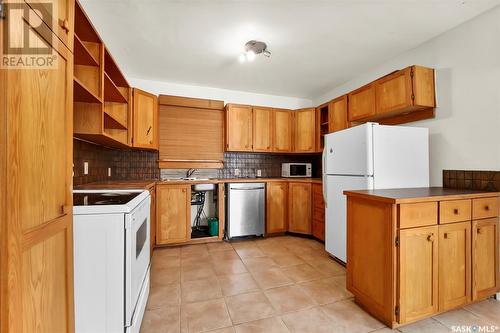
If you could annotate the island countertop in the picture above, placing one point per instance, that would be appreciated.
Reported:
(419, 194)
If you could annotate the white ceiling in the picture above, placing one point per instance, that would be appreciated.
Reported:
(315, 45)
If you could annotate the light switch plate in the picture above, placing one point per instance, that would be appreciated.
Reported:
(236, 172)
(85, 168)
(259, 173)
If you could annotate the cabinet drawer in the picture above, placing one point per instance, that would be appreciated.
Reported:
(318, 214)
(454, 211)
(418, 214)
(485, 208)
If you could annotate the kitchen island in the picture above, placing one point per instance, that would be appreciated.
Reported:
(413, 253)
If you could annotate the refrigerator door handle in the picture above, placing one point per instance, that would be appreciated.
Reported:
(323, 164)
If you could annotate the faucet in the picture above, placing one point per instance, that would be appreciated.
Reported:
(190, 172)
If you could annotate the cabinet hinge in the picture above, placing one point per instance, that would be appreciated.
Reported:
(411, 73)
(396, 310)
(396, 241)
(413, 96)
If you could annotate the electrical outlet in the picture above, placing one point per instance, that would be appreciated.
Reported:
(85, 168)
(259, 173)
(109, 172)
(236, 172)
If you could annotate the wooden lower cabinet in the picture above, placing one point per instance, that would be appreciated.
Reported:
(404, 274)
(484, 258)
(276, 207)
(152, 217)
(454, 265)
(173, 214)
(318, 212)
(299, 207)
(418, 269)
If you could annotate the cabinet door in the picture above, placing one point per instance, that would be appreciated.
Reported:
(173, 214)
(454, 265)
(394, 92)
(418, 273)
(362, 103)
(59, 17)
(282, 130)
(318, 212)
(37, 132)
(262, 129)
(152, 217)
(484, 258)
(305, 130)
(145, 124)
(299, 208)
(337, 116)
(238, 128)
(276, 207)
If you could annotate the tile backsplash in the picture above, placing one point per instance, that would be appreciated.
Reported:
(124, 164)
(248, 164)
(472, 180)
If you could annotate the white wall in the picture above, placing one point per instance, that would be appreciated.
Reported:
(466, 131)
(228, 96)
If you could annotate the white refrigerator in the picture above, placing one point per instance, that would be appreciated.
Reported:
(369, 156)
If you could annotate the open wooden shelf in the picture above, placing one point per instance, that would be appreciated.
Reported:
(83, 28)
(114, 73)
(82, 94)
(111, 122)
(83, 55)
(111, 91)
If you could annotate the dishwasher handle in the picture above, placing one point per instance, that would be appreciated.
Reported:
(246, 188)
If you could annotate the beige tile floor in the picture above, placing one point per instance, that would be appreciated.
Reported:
(281, 284)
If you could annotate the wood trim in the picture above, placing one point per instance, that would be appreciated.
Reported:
(409, 117)
(221, 195)
(421, 198)
(193, 164)
(198, 103)
(3, 196)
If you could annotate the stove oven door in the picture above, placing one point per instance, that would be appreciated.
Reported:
(137, 255)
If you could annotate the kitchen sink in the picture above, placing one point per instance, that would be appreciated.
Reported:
(203, 187)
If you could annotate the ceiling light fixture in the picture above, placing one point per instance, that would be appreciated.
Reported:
(252, 49)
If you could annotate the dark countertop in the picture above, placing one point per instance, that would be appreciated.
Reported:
(118, 185)
(147, 184)
(423, 194)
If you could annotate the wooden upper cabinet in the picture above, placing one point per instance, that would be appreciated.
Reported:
(238, 127)
(299, 207)
(418, 269)
(59, 16)
(362, 103)
(409, 89)
(305, 130)
(173, 213)
(145, 122)
(394, 92)
(454, 265)
(337, 114)
(484, 258)
(262, 129)
(276, 207)
(282, 130)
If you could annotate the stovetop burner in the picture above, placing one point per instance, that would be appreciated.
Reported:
(102, 199)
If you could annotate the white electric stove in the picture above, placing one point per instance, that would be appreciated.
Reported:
(111, 259)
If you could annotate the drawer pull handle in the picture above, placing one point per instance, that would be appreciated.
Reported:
(486, 207)
(430, 238)
(455, 211)
(478, 230)
(446, 235)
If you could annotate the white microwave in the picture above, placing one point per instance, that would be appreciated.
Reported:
(296, 170)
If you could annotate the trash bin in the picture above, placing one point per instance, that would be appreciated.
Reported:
(213, 226)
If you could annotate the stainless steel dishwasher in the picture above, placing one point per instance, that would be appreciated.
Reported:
(245, 209)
